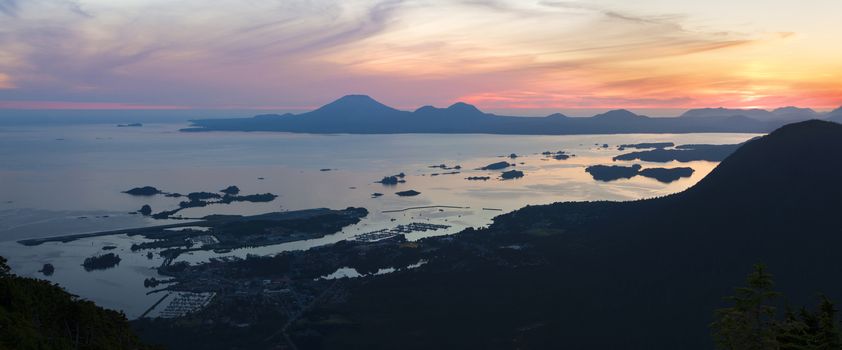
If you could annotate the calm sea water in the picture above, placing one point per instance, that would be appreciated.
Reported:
(62, 180)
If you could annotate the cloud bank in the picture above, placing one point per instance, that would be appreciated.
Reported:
(498, 54)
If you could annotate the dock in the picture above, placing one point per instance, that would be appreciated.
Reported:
(399, 230)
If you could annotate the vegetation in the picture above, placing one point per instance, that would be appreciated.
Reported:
(612, 172)
(143, 191)
(666, 175)
(35, 314)
(101, 262)
(511, 174)
(496, 166)
(683, 153)
(47, 269)
(232, 190)
(752, 322)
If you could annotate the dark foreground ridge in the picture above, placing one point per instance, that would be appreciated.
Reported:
(632, 275)
(360, 114)
(35, 314)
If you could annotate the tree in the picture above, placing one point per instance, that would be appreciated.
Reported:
(828, 335)
(750, 323)
(4, 267)
(36, 314)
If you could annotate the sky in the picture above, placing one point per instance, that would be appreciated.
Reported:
(498, 54)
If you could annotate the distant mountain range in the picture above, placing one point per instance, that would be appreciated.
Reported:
(360, 114)
(836, 115)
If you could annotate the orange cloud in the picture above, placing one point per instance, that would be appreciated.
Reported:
(498, 54)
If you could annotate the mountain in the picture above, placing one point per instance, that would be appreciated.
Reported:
(645, 274)
(784, 114)
(362, 114)
(791, 162)
(355, 105)
(757, 114)
(618, 115)
(796, 113)
(835, 115)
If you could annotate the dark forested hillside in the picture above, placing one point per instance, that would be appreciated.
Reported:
(36, 314)
(604, 275)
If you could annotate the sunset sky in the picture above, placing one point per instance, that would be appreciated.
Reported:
(499, 55)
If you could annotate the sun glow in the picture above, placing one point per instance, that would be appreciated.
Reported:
(498, 54)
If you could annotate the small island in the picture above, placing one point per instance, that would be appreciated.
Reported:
(101, 262)
(615, 172)
(683, 153)
(667, 175)
(496, 166)
(558, 155)
(130, 125)
(143, 191)
(47, 269)
(608, 173)
(478, 178)
(445, 167)
(203, 199)
(393, 179)
(409, 193)
(646, 145)
(511, 174)
(198, 196)
(145, 210)
(232, 190)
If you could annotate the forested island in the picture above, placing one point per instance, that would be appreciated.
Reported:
(226, 195)
(101, 262)
(607, 173)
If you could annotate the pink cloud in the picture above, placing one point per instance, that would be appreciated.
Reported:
(84, 105)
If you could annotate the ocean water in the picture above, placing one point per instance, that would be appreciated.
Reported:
(68, 179)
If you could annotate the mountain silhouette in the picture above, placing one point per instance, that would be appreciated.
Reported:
(354, 105)
(618, 115)
(780, 115)
(362, 114)
(797, 161)
(758, 114)
(792, 113)
(645, 274)
(835, 115)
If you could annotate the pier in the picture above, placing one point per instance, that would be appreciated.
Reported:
(399, 230)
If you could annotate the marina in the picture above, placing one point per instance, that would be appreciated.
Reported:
(399, 230)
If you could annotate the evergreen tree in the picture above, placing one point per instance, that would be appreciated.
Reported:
(4, 268)
(794, 332)
(750, 323)
(828, 335)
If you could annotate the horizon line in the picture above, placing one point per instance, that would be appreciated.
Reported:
(127, 106)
